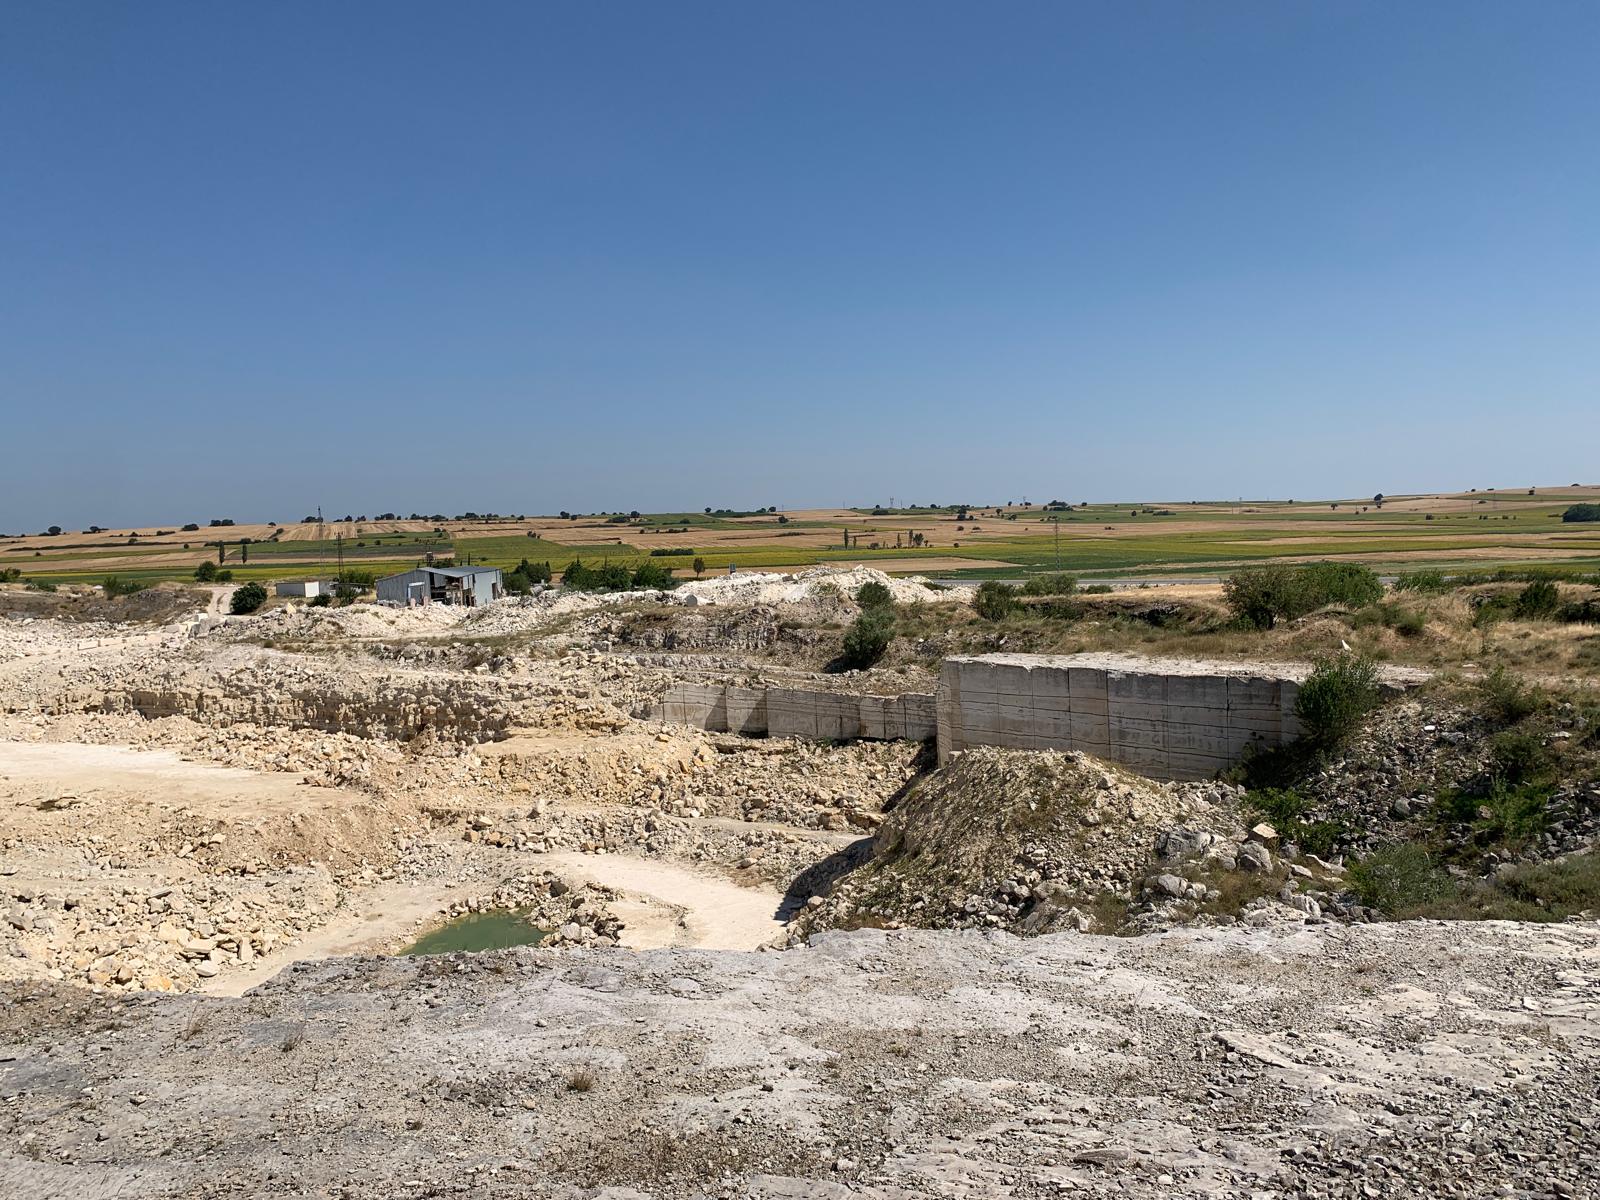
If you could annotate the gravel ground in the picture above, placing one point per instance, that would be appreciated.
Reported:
(1397, 1060)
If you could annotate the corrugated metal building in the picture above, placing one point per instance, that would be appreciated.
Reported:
(471, 586)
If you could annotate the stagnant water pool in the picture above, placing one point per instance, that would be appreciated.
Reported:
(499, 930)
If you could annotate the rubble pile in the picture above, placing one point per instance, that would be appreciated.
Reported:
(160, 936)
(1017, 840)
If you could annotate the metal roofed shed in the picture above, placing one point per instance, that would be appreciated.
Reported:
(471, 586)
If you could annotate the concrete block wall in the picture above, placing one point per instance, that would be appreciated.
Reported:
(798, 712)
(1166, 718)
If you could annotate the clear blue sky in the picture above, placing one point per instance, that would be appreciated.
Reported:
(528, 257)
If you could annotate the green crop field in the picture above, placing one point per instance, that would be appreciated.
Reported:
(1475, 530)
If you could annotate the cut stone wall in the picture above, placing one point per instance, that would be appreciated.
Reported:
(1166, 718)
(798, 712)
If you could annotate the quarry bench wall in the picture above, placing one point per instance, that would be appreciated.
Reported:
(1167, 719)
(798, 712)
(1164, 718)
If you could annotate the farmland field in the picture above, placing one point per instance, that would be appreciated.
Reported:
(1520, 527)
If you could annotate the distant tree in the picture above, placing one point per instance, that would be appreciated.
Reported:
(192, 527)
(1378, 500)
(651, 575)
(206, 572)
(54, 531)
(699, 567)
(247, 598)
(782, 520)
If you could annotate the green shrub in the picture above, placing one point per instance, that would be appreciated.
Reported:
(247, 598)
(1340, 690)
(868, 638)
(1507, 697)
(1399, 880)
(114, 586)
(1054, 584)
(1517, 757)
(1266, 594)
(41, 585)
(1584, 611)
(320, 600)
(1349, 584)
(873, 594)
(1582, 512)
(1285, 809)
(206, 572)
(1504, 814)
(1422, 581)
(995, 600)
(608, 577)
(1565, 886)
(1538, 601)
(1407, 622)
(1097, 589)
(652, 575)
(10, 574)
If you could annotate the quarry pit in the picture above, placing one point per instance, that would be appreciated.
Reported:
(803, 932)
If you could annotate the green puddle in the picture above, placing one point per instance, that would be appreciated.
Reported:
(478, 931)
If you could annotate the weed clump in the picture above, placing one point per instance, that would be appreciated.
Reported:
(114, 586)
(1507, 697)
(1286, 809)
(1538, 601)
(1401, 881)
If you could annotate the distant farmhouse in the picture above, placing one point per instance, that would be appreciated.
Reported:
(471, 586)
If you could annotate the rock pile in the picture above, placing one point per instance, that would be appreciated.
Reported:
(1017, 840)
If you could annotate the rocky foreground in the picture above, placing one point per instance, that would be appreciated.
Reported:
(1410, 1059)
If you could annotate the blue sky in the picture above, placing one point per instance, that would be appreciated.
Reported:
(529, 257)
